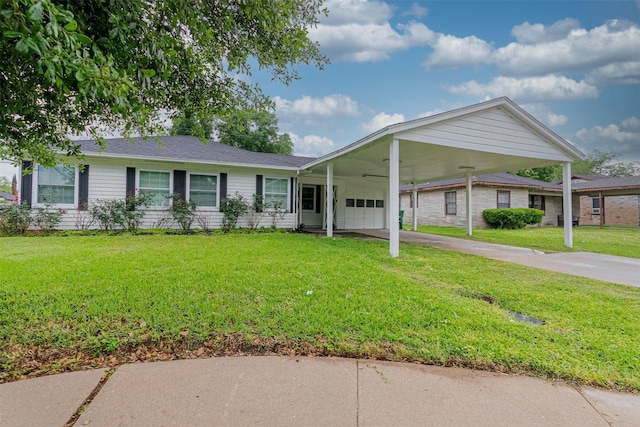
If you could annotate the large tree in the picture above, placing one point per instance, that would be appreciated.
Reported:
(97, 66)
(254, 132)
(189, 125)
(596, 163)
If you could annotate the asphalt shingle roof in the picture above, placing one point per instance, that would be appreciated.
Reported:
(605, 183)
(505, 179)
(190, 148)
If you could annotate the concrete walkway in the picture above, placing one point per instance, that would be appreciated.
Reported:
(614, 269)
(300, 391)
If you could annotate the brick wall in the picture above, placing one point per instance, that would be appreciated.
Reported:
(431, 206)
(619, 210)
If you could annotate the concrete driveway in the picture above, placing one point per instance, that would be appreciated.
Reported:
(614, 269)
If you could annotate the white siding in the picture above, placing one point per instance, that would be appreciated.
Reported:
(107, 180)
(492, 131)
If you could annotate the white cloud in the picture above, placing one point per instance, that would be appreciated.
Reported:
(381, 121)
(542, 113)
(616, 74)
(580, 51)
(356, 12)
(359, 31)
(528, 89)
(538, 33)
(453, 52)
(622, 139)
(332, 105)
(418, 11)
(368, 42)
(311, 145)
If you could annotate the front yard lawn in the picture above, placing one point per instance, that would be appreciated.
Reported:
(609, 241)
(72, 302)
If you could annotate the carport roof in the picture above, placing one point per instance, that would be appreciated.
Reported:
(492, 136)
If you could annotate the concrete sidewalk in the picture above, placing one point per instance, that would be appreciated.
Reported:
(300, 391)
(614, 269)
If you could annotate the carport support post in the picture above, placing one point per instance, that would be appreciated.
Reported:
(567, 210)
(469, 206)
(394, 198)
(415, 206)
(330, 200)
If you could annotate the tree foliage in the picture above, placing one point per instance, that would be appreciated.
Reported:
(97, 66)
(189, 125)
(596, 163)
(254, 131)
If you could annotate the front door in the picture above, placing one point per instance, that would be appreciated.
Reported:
(311, 206)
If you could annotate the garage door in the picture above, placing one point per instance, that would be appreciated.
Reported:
(365, 208)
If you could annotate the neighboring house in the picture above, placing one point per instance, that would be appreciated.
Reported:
(6, 197)
(443, 203)
(608, 201)
(596, 200)
(353, 187)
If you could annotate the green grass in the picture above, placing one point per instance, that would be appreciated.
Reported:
(611, 241)
(105, 295)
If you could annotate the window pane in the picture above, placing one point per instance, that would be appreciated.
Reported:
(308, 198)
(56, 185)
(277, 192)
(203, 189)
(351, 203)
(157, 185)
(503, 199)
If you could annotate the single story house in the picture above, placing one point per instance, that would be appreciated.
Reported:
(354, 187)
(605, 200)
(443, 203)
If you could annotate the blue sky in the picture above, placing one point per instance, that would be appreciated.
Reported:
(574, 65)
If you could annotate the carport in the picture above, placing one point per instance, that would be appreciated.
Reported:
(492, 136)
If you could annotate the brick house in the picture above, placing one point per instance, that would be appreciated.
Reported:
(596, 199)
(608, 201)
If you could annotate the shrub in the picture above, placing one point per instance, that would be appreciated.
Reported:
(112, 214)
(255, 212)
(15, 218)
(232, 208)
(47, 219)
(276, 212)
(512, 217)
(183, 212)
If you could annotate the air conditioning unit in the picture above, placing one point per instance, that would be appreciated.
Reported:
(595, 211)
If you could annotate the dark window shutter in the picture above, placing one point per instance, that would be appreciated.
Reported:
(291, 193)
(27, 182)
(180, 183)
(131, 181)
(83, 189)
(223, 186)
(318, 198)
(258, 185)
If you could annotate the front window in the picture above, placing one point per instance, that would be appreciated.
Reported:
(158, 185)
(276, 192)
(56, 185)
(504, 199)
(536, 202)
(451, 206)
(308, 198)
(203, 190)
